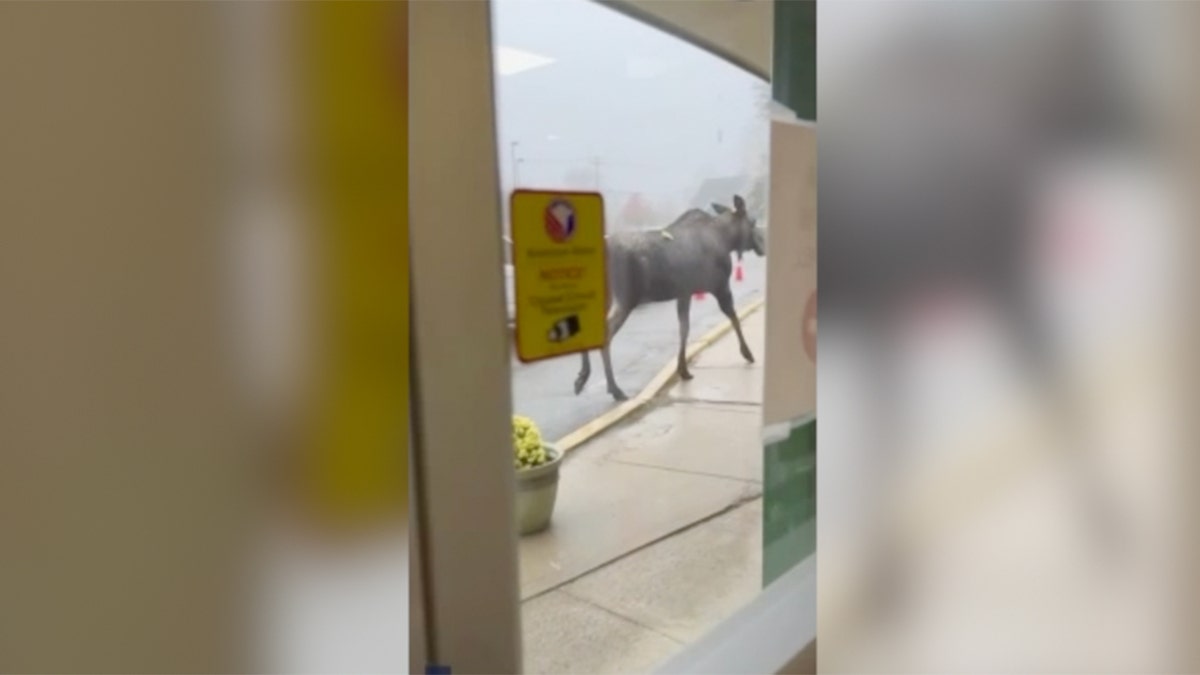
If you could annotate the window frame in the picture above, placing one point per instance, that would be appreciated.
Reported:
(466, 625)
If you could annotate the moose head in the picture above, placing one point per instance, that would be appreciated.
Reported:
(748, 236)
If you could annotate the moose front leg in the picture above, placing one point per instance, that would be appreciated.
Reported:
(683, 307)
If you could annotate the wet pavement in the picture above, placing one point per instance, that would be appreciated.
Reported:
(657, 531)
(545, 391)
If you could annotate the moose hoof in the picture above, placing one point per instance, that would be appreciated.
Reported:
(579, 382)
(747, 355)
(618, 395)
(685, 375)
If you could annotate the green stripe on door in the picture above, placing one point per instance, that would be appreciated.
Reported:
(790, 500)
(794, 76)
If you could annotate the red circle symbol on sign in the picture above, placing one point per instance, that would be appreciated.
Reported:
(560, 220)
(810, 327)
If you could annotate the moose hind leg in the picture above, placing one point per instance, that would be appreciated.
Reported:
(683, 307)
(616, 319)
(725, 301)
(585, 371)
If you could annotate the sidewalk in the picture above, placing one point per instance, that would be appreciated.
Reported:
(657, 532)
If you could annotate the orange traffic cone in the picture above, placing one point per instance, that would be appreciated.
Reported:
(737, 272)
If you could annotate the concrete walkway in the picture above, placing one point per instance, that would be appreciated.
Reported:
(657, 532)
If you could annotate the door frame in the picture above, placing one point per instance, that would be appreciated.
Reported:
(464, 493)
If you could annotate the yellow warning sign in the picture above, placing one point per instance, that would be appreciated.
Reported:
(560, 274)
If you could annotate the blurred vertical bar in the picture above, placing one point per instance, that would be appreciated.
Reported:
(356, 87)
(183, 188)
(1184, 115)
(124, 467)
(335, 596)
(462, 386)
(789, 386)
(977, 157)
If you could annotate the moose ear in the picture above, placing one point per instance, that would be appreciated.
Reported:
(720, 209)
(739, 204)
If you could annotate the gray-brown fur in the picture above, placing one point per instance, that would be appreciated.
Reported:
(691, 255)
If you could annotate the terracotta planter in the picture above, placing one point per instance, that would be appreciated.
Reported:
(537, 489)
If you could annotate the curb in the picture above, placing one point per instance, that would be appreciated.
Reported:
(664, 377)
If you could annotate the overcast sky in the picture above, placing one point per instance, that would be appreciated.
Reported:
(577, 82)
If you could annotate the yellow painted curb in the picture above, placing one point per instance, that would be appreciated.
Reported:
(664, 377)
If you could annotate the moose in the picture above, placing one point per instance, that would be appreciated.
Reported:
(691, 255)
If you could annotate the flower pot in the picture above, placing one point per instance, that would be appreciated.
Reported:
(537, 489)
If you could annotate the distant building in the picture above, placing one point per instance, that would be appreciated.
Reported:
(637, 213)
(720, 191)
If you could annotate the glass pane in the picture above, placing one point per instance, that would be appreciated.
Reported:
(655, 531)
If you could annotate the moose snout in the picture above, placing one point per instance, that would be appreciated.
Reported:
(758, 241)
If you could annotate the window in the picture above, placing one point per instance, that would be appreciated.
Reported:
(656, 532)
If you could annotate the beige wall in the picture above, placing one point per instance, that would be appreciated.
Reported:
(138, 407)
(790, 381)
(118, 424)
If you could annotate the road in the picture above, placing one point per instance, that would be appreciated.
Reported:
(545, 390)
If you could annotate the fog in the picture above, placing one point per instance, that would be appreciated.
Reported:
(589, 98)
